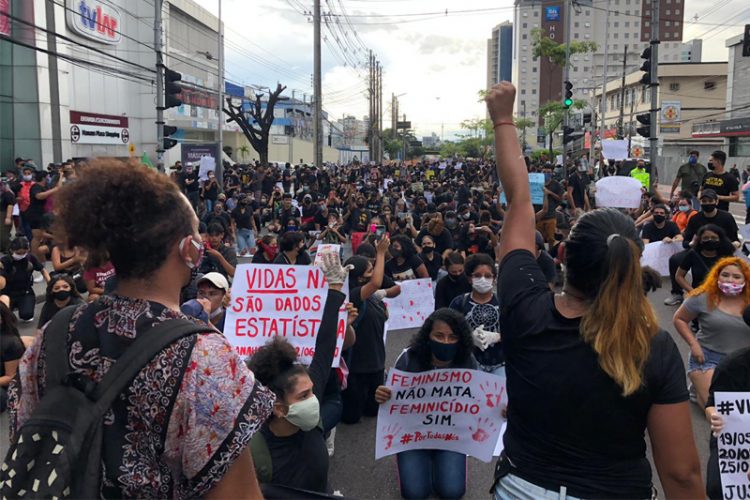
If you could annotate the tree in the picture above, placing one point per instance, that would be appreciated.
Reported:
(523, 124)
(243, 151)
(258, 130)
(552, 114)
(542, 46)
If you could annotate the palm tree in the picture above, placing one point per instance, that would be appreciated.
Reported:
(243, 151)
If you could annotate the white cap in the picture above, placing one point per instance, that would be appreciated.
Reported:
(216, 279)
(188, 163)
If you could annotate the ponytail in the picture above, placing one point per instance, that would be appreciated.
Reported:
(621, 323)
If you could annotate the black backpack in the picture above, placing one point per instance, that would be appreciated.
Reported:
(58, 451)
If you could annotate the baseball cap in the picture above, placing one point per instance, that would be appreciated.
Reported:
(710, 194)
(188, 163)
(217, 280)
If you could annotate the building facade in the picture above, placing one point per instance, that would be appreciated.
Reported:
(500, 54)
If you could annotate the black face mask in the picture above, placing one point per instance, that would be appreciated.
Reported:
(710, 245)
(454, 278)
(61, 295)
(396, 253)
(659, 218)
(711, 165)
(709, 208)
(428, 250)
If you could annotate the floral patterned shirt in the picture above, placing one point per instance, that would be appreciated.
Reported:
(184, 419)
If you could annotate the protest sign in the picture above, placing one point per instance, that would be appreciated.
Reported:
(656, 255)
(618, 192)
(615, 149)
(270, 300)
(500, 446)
(734, 443)
(413, 305)
(745, 232)
(207, 164)
(324, 248)
(536, 187)
(454, 409)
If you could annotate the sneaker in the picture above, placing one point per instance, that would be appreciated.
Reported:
(330, 441)
(673, 300)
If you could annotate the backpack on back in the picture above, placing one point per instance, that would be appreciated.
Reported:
(24, 196)
(58, 451)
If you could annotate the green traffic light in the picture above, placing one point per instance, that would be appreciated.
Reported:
(568, 102)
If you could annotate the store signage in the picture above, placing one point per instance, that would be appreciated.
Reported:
(94, 19)
(199, 98)
(552, 13)
(92, 128)
(735, 126)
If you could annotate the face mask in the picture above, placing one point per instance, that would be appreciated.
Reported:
(709, 208)
(216, 313)
(428, 250)
(659, 219)
(466, 216)
(193, 265)
(710, 245)
(20, 257)
(443, 352)
(711, 165)
(396, 253)
(304, 414)
(454, 278)
(581, 169)
(481, 285)
(61, 295)
(27, 178)
(731, 289)
(692, 160)
(684, 208)
(291, 228)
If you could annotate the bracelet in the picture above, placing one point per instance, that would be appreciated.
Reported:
(501, 123)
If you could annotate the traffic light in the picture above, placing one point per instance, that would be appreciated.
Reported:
(172, 89)
(746, 42)
(568, 102)
(644, 119)
(168, 142)
(568, 134)
(646, 66)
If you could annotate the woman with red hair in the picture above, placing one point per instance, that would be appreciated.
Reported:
(718, 305)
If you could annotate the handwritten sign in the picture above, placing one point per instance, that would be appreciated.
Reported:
(536, 186)
(454, 410)
(271, 300)
(615, 149)
(412, 307)
(618, 192)
(325, 248)
(656, 255)
(734, 443)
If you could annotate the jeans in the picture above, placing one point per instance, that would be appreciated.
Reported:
(674, 263)
(245, 240)
(426, 472)
(513, 487)
(331, 409)
(25, 303)
(209, 205)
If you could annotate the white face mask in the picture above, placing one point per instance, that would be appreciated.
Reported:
(20, 257)
(482, 285)
(304, 414)
(28, 178)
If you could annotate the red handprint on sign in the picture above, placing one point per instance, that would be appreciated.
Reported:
(484, 429)
(493, 393)
(390, 434)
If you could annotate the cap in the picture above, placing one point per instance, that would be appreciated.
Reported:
(710, 194)
(307, 197)
(217, 280)
(188, 163)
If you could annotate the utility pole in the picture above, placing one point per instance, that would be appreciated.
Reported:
(523, 129)
(566, 67)
(621, 132)
(653, 139)
(318, 110)
(603, 103)
(630, 124)
(159, 87)
(220, 160)
(380, 113)
(393, 113)
(371, 125)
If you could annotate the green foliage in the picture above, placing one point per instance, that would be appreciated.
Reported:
(553, 112)
(524, 122)
(243, 151)
(537, 154)
(542, 46)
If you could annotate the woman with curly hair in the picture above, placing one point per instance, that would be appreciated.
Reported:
(718, 305)
(405, 264)
(444, 341)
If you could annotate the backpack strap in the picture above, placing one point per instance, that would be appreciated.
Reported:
(56, 341)
(147, 345)
(261, 458)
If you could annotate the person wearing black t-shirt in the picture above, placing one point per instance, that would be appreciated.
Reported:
(219, 256)
(267, 251)
(660, 229)
(286, 214)
(245, 223)
(723, 183)
(11, 351)
(292, 250)
(586, 375)
(405, 263)
(711, 246)
(430, 257)
(17, 277)
(61, 293)
(453, 284)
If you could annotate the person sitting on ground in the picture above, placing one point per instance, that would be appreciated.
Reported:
(267, 251)
(12, 348)
(711, 246)
(404, 264)
(454, 284)
(61, 293)
(97, 273)
(443, 341)
(660, 228)
(293, 250)
(220, 257)
(17, 278)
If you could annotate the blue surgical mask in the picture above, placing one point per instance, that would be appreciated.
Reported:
(684, 208)
(692, 160)
(443, 352)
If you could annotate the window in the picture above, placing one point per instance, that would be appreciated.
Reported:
(588, 12)
(636, 24)
(667, 23)
(615, 46)
(739, 146)
(575, 68)
(525, 14)
(616, 36)
(523, 91)
(524, 36)
(524, 47)
(627, 35)
(533, 70)
(709, 85)
(523, 70)
(524, 59)
(525, 25)
(627, 24)
(533, 91)
(576, 36)
(577, 24)
(523, 102)
(585, 69)
(627, 12)
(674, 87)
(536, 13)
(677, 12)
(676, 35)
(616, 24)
(669, 12)
(536, 25)
(587, 35)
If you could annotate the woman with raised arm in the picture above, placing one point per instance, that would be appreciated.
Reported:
(588, 370)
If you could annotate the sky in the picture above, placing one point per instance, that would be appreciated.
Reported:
(437, 61)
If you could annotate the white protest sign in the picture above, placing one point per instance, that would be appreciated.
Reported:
(618, 192)
(536, 189)
(271, 300)
(656, 256)
(207, 164)
(615, 149)
(413, 305)
(325, 248)
(454, 409)
(734, 443)
(500, 446)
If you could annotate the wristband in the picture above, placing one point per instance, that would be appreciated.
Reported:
(501, 123)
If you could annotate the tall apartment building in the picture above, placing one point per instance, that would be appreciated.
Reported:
(500, 54)
(623, 27)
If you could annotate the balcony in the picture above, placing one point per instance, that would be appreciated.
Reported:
(706, 129)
